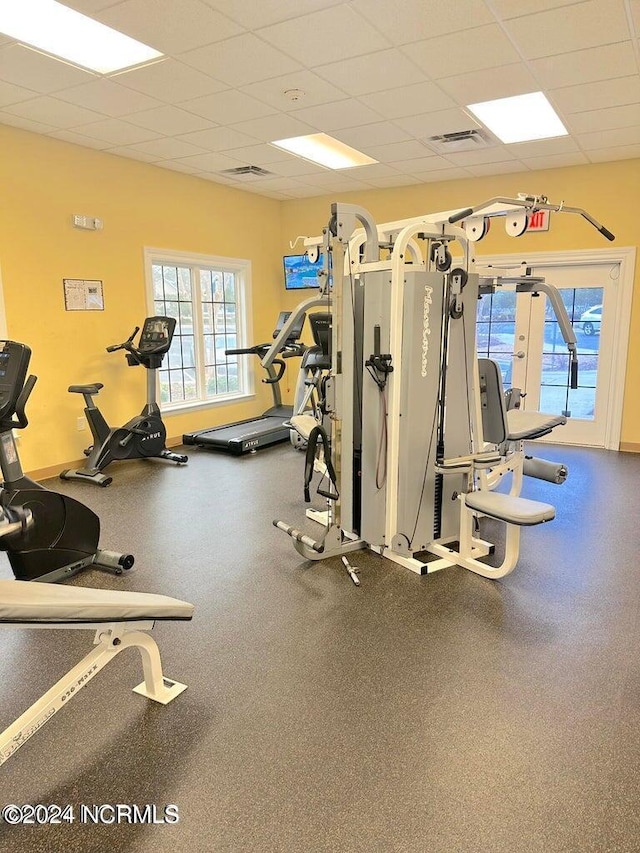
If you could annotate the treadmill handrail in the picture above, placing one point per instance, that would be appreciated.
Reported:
(280, 342)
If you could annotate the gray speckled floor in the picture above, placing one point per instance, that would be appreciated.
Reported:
(448, 714)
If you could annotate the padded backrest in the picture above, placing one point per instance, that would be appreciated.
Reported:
(492, 402)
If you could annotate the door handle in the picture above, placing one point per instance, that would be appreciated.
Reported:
(520, 354)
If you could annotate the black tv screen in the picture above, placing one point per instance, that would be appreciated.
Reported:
(300, 273)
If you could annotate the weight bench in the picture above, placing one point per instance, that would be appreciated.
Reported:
(119, 619)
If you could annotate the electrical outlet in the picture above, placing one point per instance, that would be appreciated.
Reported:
(82, 424)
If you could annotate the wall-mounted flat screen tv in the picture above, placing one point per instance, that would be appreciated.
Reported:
(300, 273)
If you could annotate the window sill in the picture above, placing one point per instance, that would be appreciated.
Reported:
(199, 405)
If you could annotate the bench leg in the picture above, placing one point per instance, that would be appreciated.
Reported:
(110, 639)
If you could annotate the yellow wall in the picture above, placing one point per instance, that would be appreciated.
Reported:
(608, 191)
(43, 182)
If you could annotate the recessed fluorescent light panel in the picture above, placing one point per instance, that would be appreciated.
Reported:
(69, 35)
(521, 118)
(324, 150)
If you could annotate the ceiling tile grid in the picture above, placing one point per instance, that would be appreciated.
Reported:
(380, 76)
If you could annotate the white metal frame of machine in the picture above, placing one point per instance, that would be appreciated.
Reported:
(404, 405)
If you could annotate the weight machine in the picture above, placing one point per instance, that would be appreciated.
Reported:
(415, 438)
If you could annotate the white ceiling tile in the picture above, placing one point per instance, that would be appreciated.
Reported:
(263, 155)
(228, 107)
(211, 162)
(607, 119)
(293, 167)
(556, 161)
(624, 152)
(10, 94)
(378, 133)
(241, 60)
(25, 123)
(89, 6)
(444, 175)
(405, 21)
(377, 170)
(374, 72)
(573, 27)
(497, 168)
(397, 151)
(278, 126)
(53, 112)
(132, 154)
(490, 84)
(175, 166)
(80, 139)
(516, 8)
(396, 181)
(458, 53)
(337, 181)
(496, 154)
(585, 66)
(432, 163)
(172, 30)
(169, 81)
(325, 36)
(24, 67)
(609, 138)
(168, 149)
(108, 98)
(170, 121)
(314, 90)
(306, 192)
(408, 100)
(266, 12)
(218, 139)
(116, 132)
(434, 124)
(335, 116)
(543, 147)
(594, 96)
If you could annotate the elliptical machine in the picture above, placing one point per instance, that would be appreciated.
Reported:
(53, 536)
(143, 436)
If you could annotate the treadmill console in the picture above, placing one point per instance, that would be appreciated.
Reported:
(14, 363)
(295, 332)
(156, 335)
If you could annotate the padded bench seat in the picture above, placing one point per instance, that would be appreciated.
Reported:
(28, 602)
(513, 510)
(523, 426)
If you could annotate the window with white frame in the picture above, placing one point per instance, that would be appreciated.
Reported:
(207, 297)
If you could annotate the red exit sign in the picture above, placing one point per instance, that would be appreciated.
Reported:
(539, 221)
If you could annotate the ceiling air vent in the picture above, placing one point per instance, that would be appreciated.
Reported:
(246, 172)
(461, 140)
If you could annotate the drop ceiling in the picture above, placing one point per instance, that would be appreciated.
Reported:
(381, 75)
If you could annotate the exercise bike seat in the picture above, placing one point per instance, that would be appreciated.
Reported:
(86, 389)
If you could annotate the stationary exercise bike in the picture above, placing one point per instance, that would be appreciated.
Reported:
(143, 436)
(51, 536)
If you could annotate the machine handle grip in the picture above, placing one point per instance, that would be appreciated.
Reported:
(606, 233)
(461, 214)
(573, 366)
(126, 344)
(245, 350)
(21, 420)
(281, 369)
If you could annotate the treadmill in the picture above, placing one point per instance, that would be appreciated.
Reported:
(255, 433)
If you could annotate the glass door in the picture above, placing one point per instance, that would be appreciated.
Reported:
(521, 333)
